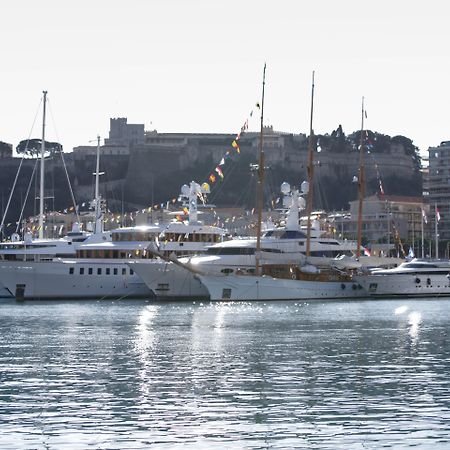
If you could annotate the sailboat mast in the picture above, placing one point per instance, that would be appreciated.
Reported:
(97, 188)
(361, 181)
(310, 169)
(260, 178)
(41, 186)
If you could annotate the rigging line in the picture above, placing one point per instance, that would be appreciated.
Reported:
(26, 196)
(64, 162)
(20, 166)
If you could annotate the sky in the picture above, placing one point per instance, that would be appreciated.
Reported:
(196, 66)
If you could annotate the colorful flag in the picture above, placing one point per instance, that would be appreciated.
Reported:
(185, 210)
(424, 216)
(438, 216)
(219, 171)
(235, 145)
(212, 178)
(381, 188)
(222, 162)
(366, 251)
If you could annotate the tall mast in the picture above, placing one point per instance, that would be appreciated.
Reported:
(310, 169)
(98, 211)
(260, 178)
(361, 181)
(41, 186)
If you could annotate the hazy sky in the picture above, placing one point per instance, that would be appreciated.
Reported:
(196, 65)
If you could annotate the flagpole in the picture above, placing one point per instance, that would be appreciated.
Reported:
(436, 230)
(423, 249)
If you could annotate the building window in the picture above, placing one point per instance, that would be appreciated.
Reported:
(108, 270)
(115, 271)
(90, 271)
(99, 271)
(81, 270)
(124, 271)
(71, 271)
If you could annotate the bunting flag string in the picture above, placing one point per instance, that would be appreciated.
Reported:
(219, 170)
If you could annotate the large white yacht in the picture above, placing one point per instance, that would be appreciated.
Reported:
(98, 268)
(95, 270)
(416, 278)
(285, 245)
(283, 282)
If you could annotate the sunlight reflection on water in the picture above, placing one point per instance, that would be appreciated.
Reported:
(229, 375)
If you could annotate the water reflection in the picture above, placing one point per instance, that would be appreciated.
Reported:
(414, 320)
(200, 375)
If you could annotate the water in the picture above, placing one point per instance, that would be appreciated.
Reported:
(133, 374)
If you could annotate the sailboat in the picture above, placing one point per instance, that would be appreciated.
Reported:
(283, 281)
(28, 248)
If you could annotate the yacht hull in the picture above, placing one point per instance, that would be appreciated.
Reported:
(4, 293)
(249, 288)
(168, 280)
(406, 285)
(57, 280)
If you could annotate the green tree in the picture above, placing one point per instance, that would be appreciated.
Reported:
(32, 147)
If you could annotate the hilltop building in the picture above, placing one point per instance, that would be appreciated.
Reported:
(122, 136)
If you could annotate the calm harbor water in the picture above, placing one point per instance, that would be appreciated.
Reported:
(136, 374)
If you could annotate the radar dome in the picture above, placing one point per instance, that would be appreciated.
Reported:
(185, 190)
(285, 188)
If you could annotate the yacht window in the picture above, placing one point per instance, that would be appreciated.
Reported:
(420, 266)
(291, 234)
(231, 251)
(99, 271)
(131, 272)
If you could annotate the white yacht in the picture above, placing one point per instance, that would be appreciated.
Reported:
(30, 249)
(99, 270)
(95, 270)
(283, 282)
(285, 245)
(416, 278)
